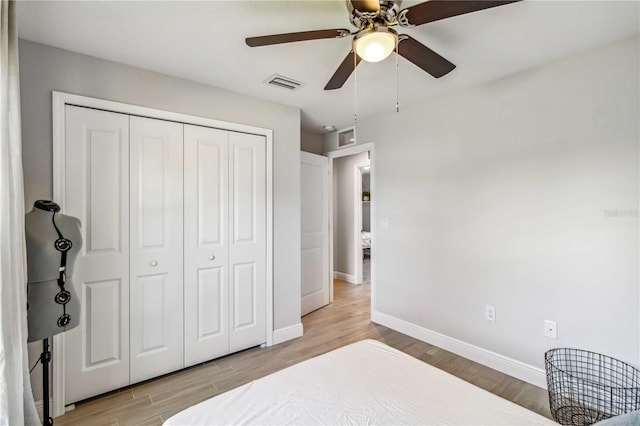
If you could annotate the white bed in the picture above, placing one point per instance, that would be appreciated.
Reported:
(366, 242)
(366, 239)
(366, 382)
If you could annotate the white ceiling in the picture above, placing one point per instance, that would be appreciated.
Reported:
(204, 42)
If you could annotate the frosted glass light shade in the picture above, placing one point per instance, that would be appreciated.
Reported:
(375, 46)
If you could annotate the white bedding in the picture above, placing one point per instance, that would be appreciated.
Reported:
(366, 382)
(366, 239)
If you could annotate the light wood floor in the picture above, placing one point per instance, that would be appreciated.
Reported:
(344, 321)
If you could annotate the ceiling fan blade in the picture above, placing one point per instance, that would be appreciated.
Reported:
(292, 37)
(366, 5)
(424, 57)
(343, 72)
(434, 10)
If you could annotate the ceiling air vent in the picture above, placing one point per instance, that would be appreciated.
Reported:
(284, 82)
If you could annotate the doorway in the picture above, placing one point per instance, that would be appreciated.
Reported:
(338, 225)
(352, 248)
(365, 190)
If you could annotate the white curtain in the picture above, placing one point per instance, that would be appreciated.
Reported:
(16, 400)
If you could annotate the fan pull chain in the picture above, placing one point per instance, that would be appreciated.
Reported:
(355, 88)
(397, 91)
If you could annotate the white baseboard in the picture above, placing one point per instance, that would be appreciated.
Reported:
(40, 407)
(530, 374)
(351, 279)
(283, 334)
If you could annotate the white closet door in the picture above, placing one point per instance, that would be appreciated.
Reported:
(156, 248)
(96, 186)
(206, 246)
(247, 235)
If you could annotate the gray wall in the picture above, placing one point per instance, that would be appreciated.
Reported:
(343, 213)
(311, 142)
(522, 194)
(44, 69)
(366, 181)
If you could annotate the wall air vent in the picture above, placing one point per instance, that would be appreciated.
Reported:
(284, 82)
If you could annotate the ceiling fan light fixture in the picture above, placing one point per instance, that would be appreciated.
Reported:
(376, 44)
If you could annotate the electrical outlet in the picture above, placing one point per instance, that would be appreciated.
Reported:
(551, 329)
(384, 223)
(490, 313)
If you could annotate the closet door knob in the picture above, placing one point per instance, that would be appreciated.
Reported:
(153, 263)
(212, 257)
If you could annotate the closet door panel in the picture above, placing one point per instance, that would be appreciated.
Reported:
(96, 186)
(211, 295)
(206, 245)
(247, 247)
(156, 248)
(245, 288)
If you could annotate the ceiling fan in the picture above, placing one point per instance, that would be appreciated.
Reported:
(374, 38)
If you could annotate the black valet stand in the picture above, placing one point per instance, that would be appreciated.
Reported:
(45, 359)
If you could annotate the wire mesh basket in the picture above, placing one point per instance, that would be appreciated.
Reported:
(586, 387)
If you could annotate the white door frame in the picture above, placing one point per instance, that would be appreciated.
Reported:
(59, 100)
(356, 149)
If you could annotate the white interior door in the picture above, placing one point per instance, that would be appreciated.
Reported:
(156, 244)
(247, 240)
(314, 201)
(206, 244)
(96, 186)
